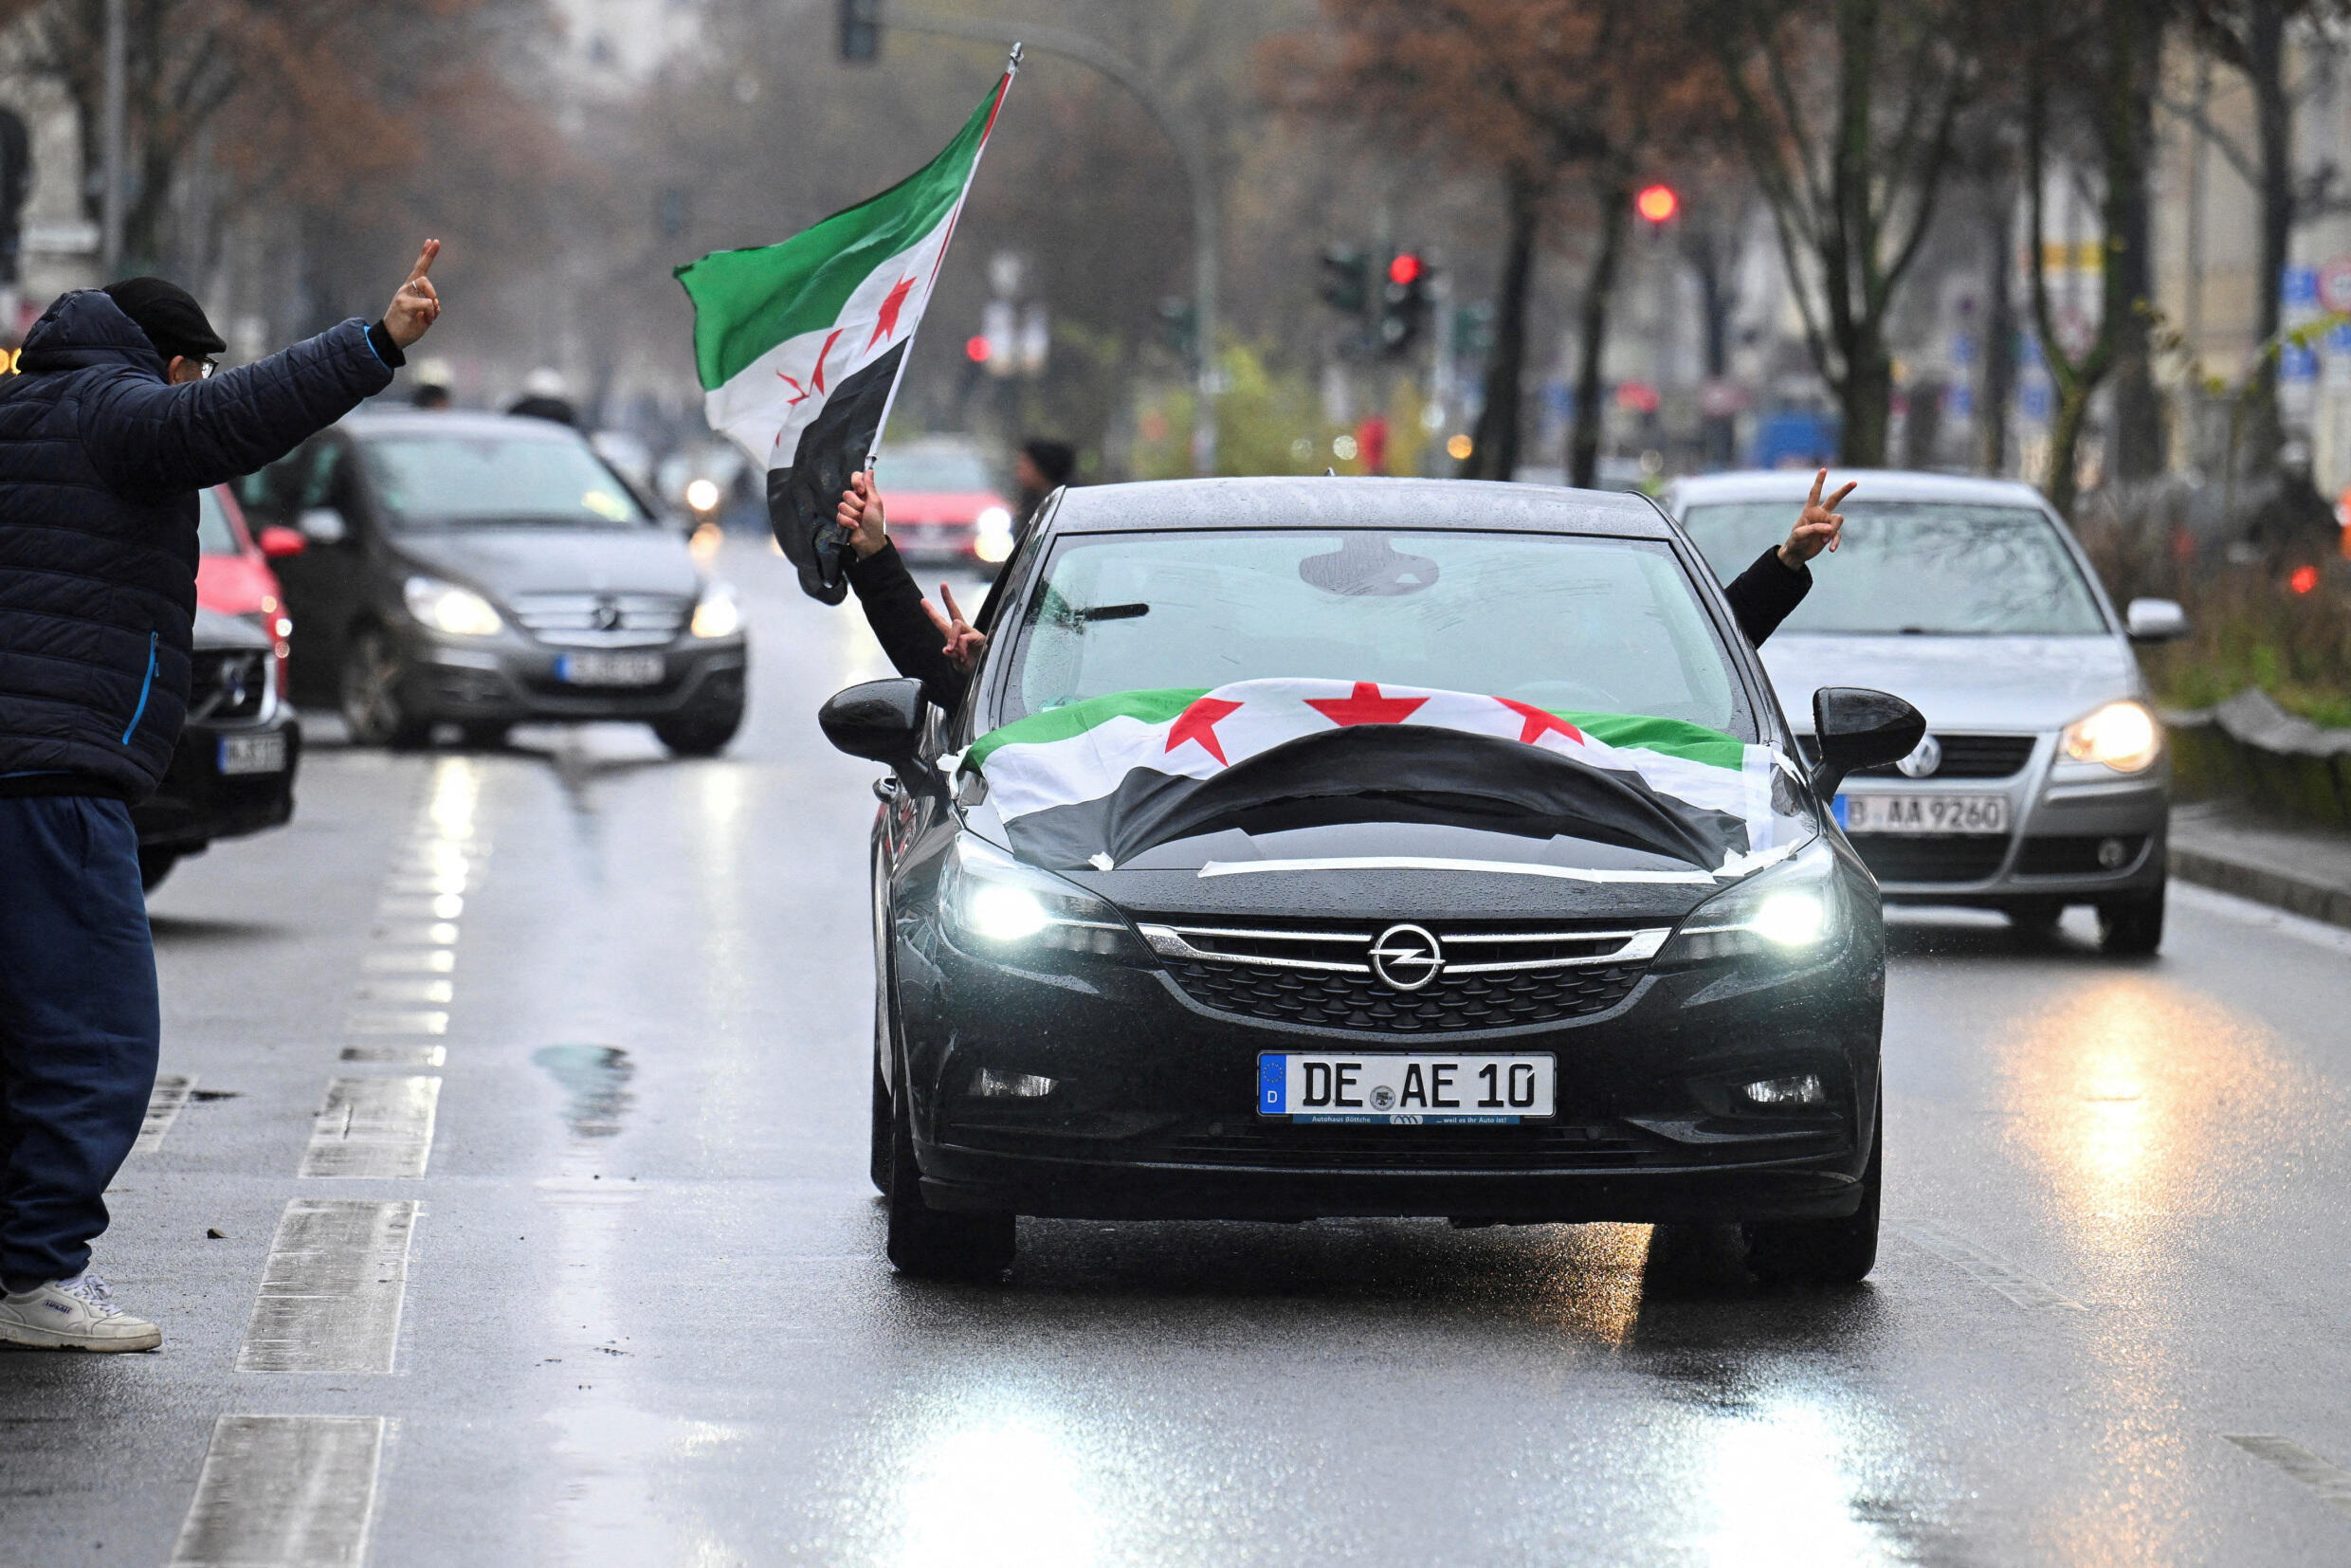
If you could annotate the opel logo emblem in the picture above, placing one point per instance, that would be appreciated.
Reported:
(1407, 957)
(1923, 759)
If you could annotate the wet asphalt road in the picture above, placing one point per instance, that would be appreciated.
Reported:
(634, 1310)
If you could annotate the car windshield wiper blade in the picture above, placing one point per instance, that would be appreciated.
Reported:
(1112, 612)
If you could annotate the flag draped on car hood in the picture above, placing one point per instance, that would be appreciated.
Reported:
(1098, 781)
(800, 345)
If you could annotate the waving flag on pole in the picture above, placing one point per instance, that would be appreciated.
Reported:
(801, 345)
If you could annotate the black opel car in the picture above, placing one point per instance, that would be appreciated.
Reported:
(232, 772)
(487, 570)
(1340, 847)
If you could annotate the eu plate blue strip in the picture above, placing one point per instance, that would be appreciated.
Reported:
(1272, 1081)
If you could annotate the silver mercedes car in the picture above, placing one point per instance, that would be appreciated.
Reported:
(2043, 779)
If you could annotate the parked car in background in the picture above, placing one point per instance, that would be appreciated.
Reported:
(2043, 780)
(234, 576)
(944, 508)
(487, 571)
(232, 772)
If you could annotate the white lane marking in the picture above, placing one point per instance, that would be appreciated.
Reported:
(2025, 1290)
(378, 1128)
(438, 933)
(440, 992)
(284, 1491)
(437, 907)
(331, 1292)
(2210, 901)
(426, 884)
(403, 1056)
(2331, 1482)
(368, 1022)
(163, 1105)
(430, 960)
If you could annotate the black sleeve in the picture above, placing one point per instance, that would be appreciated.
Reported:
(893, 607)
(1767, 593)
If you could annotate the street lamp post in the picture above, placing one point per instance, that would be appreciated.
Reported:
(1191, 149)
(113, 110)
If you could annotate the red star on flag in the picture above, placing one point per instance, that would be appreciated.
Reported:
(888, 322)
(1365, 707)
(1198, 722)
(1539, 723)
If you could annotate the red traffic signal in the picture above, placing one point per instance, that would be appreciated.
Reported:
(1657, 203)
(1404, 269)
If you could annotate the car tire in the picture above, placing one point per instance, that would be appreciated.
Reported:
(697, 733)
(936, 1244)
(371, 706)
(879, 1161)
(2131, 926)
(1824, 1251)
(2034, 921)
(485, 734)
(156, 865)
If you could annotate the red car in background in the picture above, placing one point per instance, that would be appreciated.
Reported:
(233, 574)
(943, 506)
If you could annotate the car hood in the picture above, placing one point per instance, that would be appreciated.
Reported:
(505, 561)
(1959, 683)
(941, 505)
(216, 630)
(1461, 873)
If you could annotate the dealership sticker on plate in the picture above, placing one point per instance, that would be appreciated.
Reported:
(1404, 1091)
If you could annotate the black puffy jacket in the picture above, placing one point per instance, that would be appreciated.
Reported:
(101, 460)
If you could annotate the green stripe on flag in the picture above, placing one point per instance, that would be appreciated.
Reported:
(1671, 736)
(747, 301)
(1151, 707)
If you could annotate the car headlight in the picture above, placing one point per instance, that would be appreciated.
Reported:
(1794, 910)
(718, 615)
(992, 538)
(997, 902)
(2124, 736)
(446, 607)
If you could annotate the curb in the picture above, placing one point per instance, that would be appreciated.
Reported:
(2313, 900)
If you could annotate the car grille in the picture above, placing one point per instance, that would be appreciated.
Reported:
(2077, 855)
(1963, 757)
(1325, 978)
(1957, 857)
(602, 620)
(1308, 1146)
(227, 683)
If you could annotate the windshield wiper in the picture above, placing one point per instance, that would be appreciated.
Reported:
(1112, 612)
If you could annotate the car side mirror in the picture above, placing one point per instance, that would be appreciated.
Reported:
(2155, 620)
(322, 526)
(279, 542)
(1858, 728)
(881, 722)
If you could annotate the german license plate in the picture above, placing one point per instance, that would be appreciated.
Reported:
(610, 669)
(253, 753)
(1921, 815)
(1404, 1091)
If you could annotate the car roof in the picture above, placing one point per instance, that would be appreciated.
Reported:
(1410, 505)
(366, 422)
(1875, 485)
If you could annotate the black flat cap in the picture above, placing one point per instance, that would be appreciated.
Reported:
(169, 316)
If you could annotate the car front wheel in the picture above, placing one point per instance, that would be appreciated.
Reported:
(2131, 926)
(936, 1244)
(1824, 1251)
(697, 733)
(374, 709)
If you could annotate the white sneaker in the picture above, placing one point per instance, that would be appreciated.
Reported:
(75, 1313)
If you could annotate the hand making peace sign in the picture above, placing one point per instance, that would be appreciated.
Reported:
(1817, 527)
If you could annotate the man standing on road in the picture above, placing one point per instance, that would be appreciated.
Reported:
(941, 650)
(114, 424)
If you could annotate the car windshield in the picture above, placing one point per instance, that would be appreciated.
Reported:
(923, 470)
(477, 481)
(1936, 568)
(214, 536)
(1560, 622)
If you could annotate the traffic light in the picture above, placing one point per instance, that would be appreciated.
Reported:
(1179, 326)
(1346, 280)
(1657, 204)
(861, 31)
(1403, 303)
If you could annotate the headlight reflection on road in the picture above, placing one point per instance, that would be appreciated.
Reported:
(456, 791)
(1779, 1487)
(1008, 1491)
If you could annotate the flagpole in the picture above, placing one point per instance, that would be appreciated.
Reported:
(1012, 68)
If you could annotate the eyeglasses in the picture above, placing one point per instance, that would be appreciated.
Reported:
(205, 369)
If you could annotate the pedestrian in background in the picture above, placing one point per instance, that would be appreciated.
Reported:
(1041, 468)
(114, 424)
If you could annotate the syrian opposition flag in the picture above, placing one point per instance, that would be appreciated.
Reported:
(1098, 782)
(801, 345)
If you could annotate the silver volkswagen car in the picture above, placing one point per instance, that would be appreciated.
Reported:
(2043, 779)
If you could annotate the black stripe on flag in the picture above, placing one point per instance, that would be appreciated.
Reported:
(802, 498)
